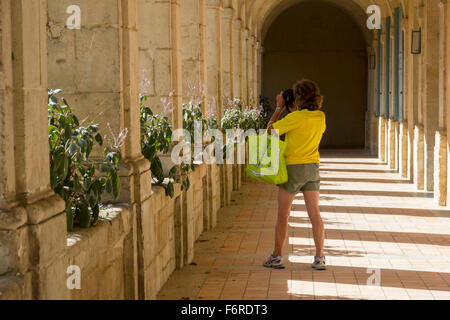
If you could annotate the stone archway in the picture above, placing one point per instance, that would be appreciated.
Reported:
(320, 41)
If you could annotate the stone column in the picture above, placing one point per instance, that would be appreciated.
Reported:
(406, 133)
(98, 67)
(391, 124)
(32, 219)
(214, 53)
(383, 121)
(213, 19)
(371, 118)
(419, 136)
(257, 70)
(411, 84)
(227, 52)
(160, 55)
(440, 148)
(190, 47)
(228, 61)
(250, 68)
(237, 59)
(202, 49)
(244, 62)
(431, 87)
(446, 100)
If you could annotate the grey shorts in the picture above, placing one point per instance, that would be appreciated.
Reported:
(302, 177)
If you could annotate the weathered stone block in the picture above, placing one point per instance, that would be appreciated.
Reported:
(163, 68)
(15, 288)
(149, 231)
(98, 56)
(48, 240)
(152, 276)
(53, 280)
(14, 250)
(145, 185)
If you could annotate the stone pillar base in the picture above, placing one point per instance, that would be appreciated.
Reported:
(419, 178)
(226, 181)
(392, 143)
(237, 172)
(440, 168)
(403, 149)
(214, 194)
(33, 238)
(373, 142)
(229, 185)
(381, 139)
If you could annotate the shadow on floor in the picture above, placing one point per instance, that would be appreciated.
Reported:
(377, 210)
(322, 169)
(375, 193)
(363, 180)
(355, 163)
(306, 250)
(381, 236)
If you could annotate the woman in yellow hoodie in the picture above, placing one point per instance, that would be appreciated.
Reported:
(304, 130)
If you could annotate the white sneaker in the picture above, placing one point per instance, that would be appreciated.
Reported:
(274, 262)
(319, 263)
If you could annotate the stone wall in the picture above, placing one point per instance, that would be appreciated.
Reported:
(167, 235)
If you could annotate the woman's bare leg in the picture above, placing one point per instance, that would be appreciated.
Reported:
(285, 200)
(312, 206)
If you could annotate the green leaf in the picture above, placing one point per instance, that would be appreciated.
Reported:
(173, 171)
(99, 139)
(69, 216)
(156, 168)
(115, 183)
(108, 186)
(53, 180)
(95, 214)
(170, 190)
(72, 149)
(84, 216)
(149, 152)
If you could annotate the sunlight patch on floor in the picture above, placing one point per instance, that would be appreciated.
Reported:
(354, 291)
(385, 262)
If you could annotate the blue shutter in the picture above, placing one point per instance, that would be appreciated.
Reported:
(388, 70)
(396, 62)
(401, 68)
(399, 65)
(379, 111)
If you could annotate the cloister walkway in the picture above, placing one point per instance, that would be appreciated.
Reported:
(376, 224)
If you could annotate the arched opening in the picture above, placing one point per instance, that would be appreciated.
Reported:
(320, 41)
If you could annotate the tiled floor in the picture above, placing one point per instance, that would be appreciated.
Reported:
(378, 227)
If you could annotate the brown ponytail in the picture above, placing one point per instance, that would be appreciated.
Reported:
(307, 95)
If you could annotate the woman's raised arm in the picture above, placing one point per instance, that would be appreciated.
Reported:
(280, 107)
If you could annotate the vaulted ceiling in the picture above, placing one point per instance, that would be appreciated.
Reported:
(258, 15)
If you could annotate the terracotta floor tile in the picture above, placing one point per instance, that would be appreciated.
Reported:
(379, 230)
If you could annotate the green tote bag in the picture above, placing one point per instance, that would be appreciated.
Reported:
(266, 158)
